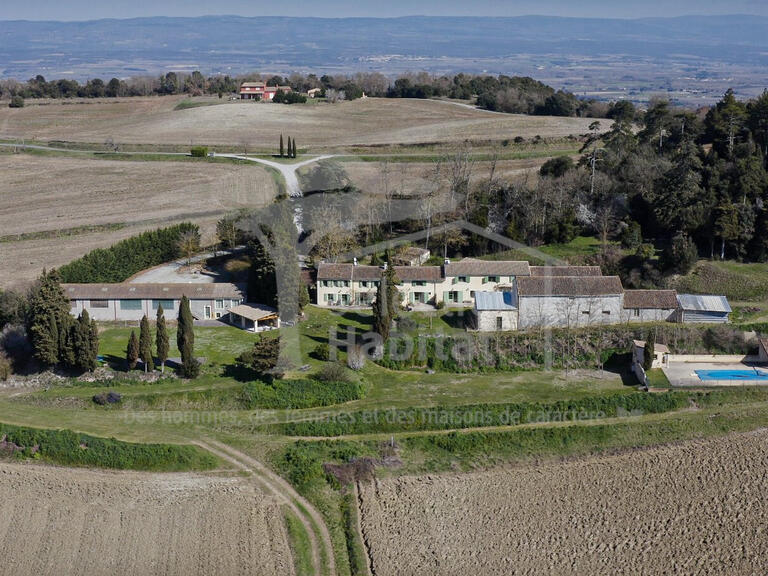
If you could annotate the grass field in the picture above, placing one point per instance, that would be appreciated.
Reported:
(369, 121)
(80, 204)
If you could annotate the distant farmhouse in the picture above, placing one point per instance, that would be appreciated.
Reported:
(129, 302)
(512, 295)
(260, 91)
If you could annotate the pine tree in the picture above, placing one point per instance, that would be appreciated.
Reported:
(185, 340)
(132, 352)
(161, 338)
(48, 311)
(282, 147)
(145, 345)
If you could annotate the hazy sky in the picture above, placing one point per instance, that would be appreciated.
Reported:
(93, 9)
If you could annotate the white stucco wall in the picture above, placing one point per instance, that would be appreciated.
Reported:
(648, 315)
(487, 320)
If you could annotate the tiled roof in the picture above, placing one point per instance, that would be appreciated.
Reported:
(703, 303)
(410, 273)
(327, 271)
(566, 271)
(366, 273)
(201, 291)
(569, 286)
(495, 301)
(474, 267)
(650, 299)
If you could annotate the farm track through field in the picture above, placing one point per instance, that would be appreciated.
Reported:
(320, 538)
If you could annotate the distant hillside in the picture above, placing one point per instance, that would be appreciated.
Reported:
(695, 47)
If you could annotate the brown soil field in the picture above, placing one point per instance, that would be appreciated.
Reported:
(53, 195)
(61, 521)
(315, 126)
(414, 177)
(694, 508)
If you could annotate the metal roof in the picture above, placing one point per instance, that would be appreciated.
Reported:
(495, 301)
(703, 303)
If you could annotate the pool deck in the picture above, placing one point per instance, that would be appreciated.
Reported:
(683, 374)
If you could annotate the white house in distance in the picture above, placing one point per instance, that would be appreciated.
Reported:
(129, 302)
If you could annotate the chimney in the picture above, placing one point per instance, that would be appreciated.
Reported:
(447, 261)
(384, 267)
(354, 261)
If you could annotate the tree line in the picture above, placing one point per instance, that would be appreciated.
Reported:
(520, 95)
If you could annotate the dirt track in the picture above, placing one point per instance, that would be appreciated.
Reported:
(61, 521)
(694, 508)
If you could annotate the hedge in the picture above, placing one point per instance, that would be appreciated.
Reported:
(299, 393)
(128, 257)
(73, 449)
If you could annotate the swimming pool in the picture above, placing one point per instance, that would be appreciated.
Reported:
(753, 374)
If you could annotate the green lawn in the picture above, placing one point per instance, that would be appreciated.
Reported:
(738, 281)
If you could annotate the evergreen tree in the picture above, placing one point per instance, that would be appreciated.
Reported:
(162, 338)
(294, 147)
(145, 345)
(132, 352)
(84, 349)
(290, 147)
(48, 310)
(94, 340)
(282, 147)
(649, 351)
(387, 301)
(67, 330)
(185, 340)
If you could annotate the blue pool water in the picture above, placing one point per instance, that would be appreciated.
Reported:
(753, 374)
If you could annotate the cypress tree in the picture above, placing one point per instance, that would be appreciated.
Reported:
(290, 147)
(161, 338)
(185, 340)
(67, 336)
(84, 350)
(649, 351)
(94, 341)
(145, 345)
(132, 352)
(282, 147)
(294, 147)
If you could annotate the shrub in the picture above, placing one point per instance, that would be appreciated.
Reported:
(199, 151)
(332, 372)
(16, 102)
(5, 366)
(124, 259)
(298, 393)
(356, 358)
(322, 352)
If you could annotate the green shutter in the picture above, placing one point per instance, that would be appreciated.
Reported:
(459, 296)
(485, 279)
(445, 296)
(454, 280)
(411, 297)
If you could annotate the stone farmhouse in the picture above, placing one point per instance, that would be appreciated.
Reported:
(129, 302)
(512, 295)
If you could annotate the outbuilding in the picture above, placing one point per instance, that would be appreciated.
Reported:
(698, 309)
(496, 311)
(650, 305)
(254, 317)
